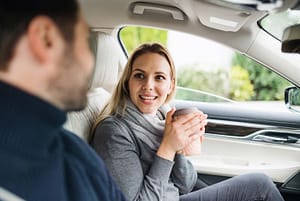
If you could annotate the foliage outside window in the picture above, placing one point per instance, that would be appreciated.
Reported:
(213, 81)
(241, 87)
(267, 84)
(132, 37)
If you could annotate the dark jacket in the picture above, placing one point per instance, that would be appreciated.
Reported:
(41, 161)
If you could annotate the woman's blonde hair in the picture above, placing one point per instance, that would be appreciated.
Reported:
(117, 102)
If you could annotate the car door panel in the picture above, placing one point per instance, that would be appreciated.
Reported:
(230, 157)
(240, 139)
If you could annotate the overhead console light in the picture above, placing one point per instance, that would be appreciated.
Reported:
(223, 22)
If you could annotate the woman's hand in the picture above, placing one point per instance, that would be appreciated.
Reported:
(194, 148)
(179, 133)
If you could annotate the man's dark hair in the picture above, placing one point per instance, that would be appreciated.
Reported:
(15, 16)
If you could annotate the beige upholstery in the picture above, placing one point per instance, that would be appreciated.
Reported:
(81, 122)
(110, 61)
(6, 195)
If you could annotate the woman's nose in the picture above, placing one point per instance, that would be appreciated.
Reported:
(148, 85)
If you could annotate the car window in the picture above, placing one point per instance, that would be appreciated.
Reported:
(211, 72)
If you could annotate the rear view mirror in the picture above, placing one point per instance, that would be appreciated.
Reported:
(291, 39)
(292, 98)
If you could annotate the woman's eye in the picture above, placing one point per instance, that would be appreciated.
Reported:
(139, 76)
(160, 77)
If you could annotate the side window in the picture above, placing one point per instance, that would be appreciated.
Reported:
(210, 72)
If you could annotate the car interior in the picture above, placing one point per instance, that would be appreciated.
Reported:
(238, 139)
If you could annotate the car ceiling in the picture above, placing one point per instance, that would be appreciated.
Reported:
(244, 36)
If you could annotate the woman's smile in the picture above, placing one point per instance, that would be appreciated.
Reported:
(148, 99)
(150, 82)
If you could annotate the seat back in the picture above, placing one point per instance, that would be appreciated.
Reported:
(109, 62)
(6, 195)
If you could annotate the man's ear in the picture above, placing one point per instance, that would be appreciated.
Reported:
(43, 38)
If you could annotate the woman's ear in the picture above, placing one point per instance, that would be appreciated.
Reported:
(43, 36)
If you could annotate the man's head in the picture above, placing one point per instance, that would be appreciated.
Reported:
(44, 50)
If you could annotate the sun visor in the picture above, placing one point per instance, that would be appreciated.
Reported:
(221, 18)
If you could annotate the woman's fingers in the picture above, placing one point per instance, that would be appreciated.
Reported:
(203, 117)
(193, 138)
(185, 118)
(169, 116)
(195, 124)
(180, 132)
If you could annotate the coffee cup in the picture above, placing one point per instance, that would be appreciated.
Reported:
(195, 147)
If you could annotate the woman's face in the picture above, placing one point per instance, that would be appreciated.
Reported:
(150, 82)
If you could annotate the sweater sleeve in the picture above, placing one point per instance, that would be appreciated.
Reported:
(184, 175)
(114, 144)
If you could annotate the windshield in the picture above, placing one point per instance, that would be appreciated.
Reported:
(277, 22)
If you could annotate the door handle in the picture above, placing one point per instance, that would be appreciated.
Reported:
(275, 139)
(176, 13)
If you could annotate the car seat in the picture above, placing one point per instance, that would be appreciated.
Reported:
(109, 62)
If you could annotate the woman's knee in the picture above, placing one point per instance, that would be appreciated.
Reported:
(258, 180)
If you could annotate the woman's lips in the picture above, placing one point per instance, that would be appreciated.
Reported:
(148, 97)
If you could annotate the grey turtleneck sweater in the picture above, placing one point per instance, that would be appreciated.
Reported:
(139, 172)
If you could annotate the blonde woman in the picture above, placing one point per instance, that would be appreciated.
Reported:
(142, 145)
